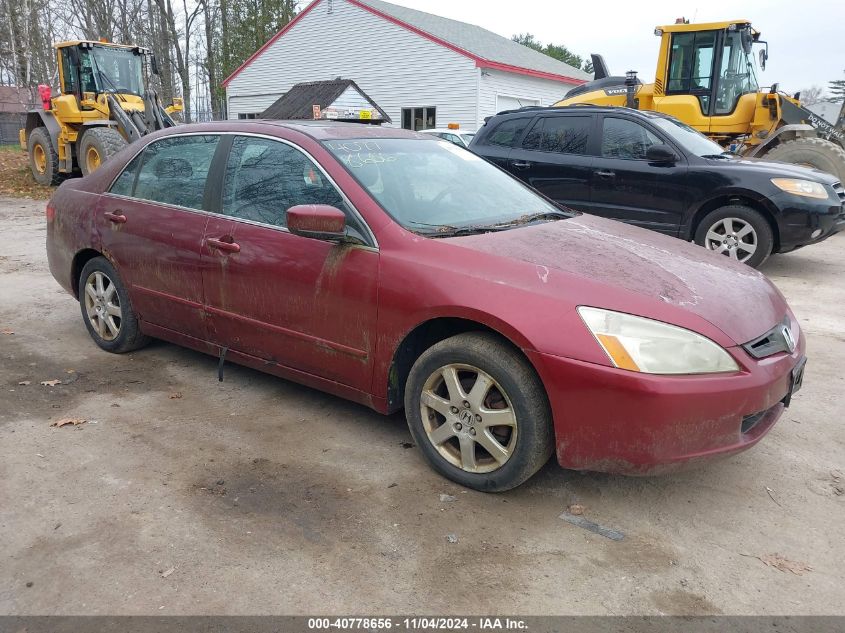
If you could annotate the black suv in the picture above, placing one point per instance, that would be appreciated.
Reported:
(653, 171)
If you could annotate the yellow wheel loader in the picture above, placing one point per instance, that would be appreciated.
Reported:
(105, 102)
(707, 77)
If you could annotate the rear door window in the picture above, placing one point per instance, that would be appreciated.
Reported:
(508, 133)
(174, 170)
(124, 185)
(560, 134)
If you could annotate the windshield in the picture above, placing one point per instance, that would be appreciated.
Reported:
(689, 138)
(737, 75)
(430, 186)
(105, 69)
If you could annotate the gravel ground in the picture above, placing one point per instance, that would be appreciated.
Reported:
(182, 495)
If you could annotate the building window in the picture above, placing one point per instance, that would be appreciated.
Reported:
(247, 115)
(419, 118)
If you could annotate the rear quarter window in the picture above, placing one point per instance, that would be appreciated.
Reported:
(507, 133)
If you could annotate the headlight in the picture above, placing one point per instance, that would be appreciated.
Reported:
(652, 347)
(806, 188)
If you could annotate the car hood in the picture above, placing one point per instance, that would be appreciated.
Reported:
(620, 262)
(775, 169)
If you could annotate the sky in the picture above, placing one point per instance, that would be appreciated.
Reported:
(806, 39)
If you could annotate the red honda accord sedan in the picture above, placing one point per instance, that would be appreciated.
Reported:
(398, 270)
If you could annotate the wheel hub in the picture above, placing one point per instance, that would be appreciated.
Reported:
(468, 418)
(102, 305)
(733, 237)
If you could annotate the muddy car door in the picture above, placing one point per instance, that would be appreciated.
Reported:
(151, 223)
(303, 303)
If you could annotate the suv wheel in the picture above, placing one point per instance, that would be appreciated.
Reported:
(738, 232)
(478, 412)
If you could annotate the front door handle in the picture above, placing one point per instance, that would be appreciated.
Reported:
(520, 164)
(224, 244)
(606, 174)
(115, 217)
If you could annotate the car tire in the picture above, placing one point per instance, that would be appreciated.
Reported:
(454, 436)
(724, 231)
(107, 310)
(97, 146)
(43, 159)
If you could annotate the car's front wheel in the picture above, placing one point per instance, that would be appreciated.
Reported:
(478, 412)
(106, 308)
(738, 232)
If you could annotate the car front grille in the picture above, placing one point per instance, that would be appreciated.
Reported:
(840, 191)
(778, 339)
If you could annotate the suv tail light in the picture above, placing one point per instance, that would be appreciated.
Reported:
(50, 212)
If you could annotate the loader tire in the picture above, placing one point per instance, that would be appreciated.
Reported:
(97, 146)
(43, 159)
(813, 152)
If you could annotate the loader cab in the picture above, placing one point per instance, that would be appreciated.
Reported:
(707, 73)
(88, 69)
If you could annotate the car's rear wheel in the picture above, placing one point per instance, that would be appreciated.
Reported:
(479, 412)
(738, 232)
(106, 308)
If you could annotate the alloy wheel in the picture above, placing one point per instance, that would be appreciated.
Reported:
(102, 305)
(468, 418)
(733, 237)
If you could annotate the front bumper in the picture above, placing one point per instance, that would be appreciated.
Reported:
(802, 222)
(618, 421)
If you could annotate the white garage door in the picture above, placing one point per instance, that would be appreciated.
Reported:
(505, 102)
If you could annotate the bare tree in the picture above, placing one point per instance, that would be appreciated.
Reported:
(180, 44)
(812, 95)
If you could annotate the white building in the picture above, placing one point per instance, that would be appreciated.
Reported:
(421, 69)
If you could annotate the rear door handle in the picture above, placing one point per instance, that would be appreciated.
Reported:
(223, 245)
(116, 217)
(606, 174)
(520, 164)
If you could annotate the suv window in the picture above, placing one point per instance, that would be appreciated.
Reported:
(622, 138)
(561, 134)
(507, 133)
(174, 170)
(264, 178)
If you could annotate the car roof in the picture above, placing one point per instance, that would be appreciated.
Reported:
(582, 107)
(318, 130)
(445, 129)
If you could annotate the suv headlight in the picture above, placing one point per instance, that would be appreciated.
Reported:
(652, 347)
(806, 188)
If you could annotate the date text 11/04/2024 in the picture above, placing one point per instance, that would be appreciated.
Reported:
(418, 624)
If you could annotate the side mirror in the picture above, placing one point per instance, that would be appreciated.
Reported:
(764, 55)
(661, 154)
(153, 64)
(317, 221)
